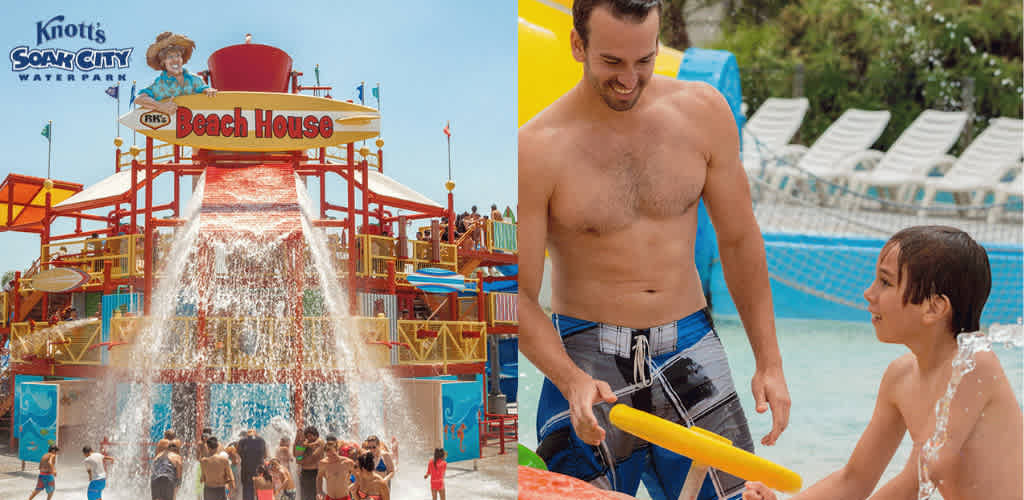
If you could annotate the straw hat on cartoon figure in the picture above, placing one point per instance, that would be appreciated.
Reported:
(168, 55)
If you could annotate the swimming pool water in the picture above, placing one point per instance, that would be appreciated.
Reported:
(833, 370)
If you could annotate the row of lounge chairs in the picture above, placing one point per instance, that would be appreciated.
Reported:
(840, 165)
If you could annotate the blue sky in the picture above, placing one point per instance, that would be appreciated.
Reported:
(436, 61)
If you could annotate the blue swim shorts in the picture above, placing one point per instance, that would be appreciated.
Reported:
(677, 371)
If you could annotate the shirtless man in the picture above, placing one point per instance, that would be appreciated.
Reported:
(215, 473)
(616, 168)
(332, 478)
(313, 447)
(47, 474)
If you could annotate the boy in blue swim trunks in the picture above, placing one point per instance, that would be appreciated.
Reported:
(47, 474)
(96, 468)
(612, 175)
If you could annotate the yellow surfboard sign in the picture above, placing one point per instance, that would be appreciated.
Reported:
(257, 121)
(59, 279)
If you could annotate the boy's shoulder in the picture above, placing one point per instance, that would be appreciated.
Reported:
(900, 367)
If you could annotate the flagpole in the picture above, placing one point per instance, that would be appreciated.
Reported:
(49, 152)
(118, 112)
(449, 136)
(131, 100)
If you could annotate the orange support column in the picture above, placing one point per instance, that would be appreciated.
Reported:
(298, 286)
(352, 253)
(148, 248)
(481, 314)
(201, 403)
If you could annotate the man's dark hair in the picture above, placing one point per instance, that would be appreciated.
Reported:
(212, 443)
(331, 438)
(169, 434)
(940, 260)
(87, 449)
(53, 449)
(628, 10)
(312, 430)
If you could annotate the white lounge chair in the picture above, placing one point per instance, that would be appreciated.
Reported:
(771, 128)
(981, 166)
(833, 156)
(1003, 191)
(919, 149)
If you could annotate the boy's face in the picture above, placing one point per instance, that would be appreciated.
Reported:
(891, 318)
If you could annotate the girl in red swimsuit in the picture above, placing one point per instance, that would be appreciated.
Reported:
(435, 469)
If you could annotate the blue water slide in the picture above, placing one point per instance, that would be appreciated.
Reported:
(719, 69)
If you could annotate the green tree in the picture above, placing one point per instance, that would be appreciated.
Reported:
(902, 55)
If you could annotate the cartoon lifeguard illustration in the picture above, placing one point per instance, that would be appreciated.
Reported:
(168, 55)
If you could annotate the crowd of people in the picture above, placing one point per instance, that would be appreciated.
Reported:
(328, 468)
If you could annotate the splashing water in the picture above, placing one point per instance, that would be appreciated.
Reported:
(968, 346)
(236, 284)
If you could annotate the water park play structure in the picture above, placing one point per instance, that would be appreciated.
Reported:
(254, 301)
(820, 259)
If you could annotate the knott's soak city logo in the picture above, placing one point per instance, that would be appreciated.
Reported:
(83, 65)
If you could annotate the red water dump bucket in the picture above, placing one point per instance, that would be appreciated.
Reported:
(250, 67)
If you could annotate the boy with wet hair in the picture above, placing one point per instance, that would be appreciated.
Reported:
(931, 284)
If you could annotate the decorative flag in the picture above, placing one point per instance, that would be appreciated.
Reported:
(132, 99)
(46, 131)
(447, 129)
(112, 91)
(316, 71)
(376, 92)
(360, 89)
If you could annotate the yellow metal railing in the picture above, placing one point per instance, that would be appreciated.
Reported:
(442, 342)
(88, 254)
(250, 343)
(161, 151)
(4, 312)
(374, 252)
(381, 251)
(63, 343)
(245, 343)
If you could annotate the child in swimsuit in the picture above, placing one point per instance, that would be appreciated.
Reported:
(930, 286)
(263, 483)
(368, 485)
(47, 473)
(435, 470)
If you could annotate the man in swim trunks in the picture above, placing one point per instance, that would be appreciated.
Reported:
(96, 468)
(47, 474)
(612, 174)
(313, 452)
(215, 473)
(333, 476)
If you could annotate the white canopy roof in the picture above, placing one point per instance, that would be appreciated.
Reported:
(114, 186)
(386, 186)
